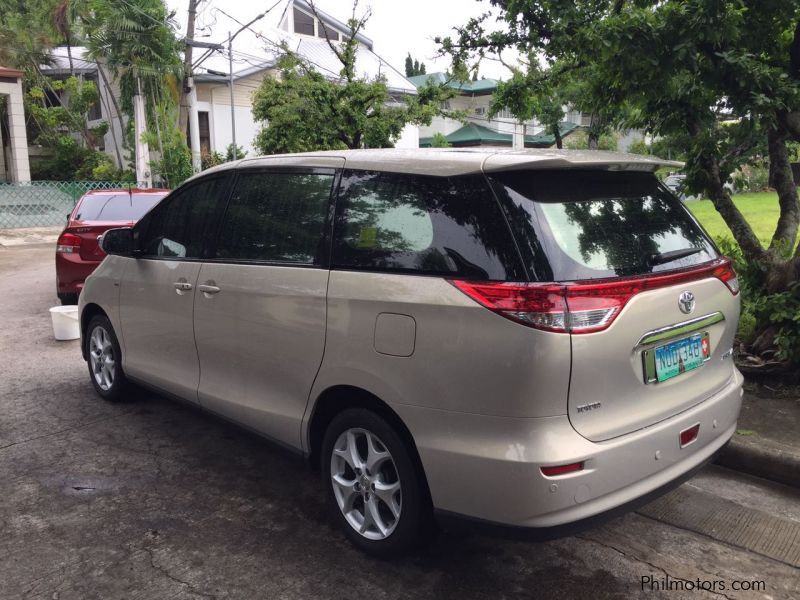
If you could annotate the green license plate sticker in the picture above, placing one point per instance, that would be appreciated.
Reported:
(681, 356)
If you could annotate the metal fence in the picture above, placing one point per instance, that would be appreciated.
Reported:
(43, 203)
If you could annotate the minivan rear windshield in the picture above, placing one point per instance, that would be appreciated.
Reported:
(116, 206)
(576, 225)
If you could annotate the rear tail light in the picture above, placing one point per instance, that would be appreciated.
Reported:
(725, 273)
(562, 469)
(578, 307)
(68, 243)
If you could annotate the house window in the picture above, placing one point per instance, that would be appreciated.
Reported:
(205, 132)
(333, 35)
(480, 110)
(303, 22)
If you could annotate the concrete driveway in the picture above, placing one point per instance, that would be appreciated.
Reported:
(150, 499)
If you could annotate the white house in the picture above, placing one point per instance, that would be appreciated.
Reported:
(255, 53)
(254, 56)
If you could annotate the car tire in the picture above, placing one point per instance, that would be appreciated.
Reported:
(68, 299)
(104, 359)
(377, 519)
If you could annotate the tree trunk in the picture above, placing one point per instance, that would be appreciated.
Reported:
(721, 199)
(557, 136)
(593, 142)
(783, 182)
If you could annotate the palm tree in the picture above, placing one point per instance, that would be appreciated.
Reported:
(136, 39)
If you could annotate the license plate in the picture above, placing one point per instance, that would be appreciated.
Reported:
(681, 356)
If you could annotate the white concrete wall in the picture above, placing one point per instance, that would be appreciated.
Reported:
(409, 137)
(219, 121)
(19, 167)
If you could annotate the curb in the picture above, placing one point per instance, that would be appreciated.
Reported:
(762, 459)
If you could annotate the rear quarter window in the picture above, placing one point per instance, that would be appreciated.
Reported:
(430, 225)
(576, 225)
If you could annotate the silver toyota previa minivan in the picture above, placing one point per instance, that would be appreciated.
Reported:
(524, 340)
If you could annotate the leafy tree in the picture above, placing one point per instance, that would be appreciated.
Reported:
(62, 128)
(308, 110)
(414, 67)
(136, 39)
(439, 140)
(27, 34)
(174, 164)
(682, 69)
(240, 152)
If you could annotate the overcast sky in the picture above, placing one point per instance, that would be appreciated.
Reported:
(396, 26)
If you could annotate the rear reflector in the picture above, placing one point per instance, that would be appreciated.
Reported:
(68, 243)
(582, 307)
(562, 469)
(687, 436)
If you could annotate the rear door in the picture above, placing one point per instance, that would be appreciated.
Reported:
(158, 288)
(653, 307)
(260, 308)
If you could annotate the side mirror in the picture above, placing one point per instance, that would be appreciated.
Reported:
(118, 242)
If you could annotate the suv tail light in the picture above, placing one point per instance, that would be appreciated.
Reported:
(68, 243)
(582, 307)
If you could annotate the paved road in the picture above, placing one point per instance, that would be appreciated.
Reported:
(154, 500)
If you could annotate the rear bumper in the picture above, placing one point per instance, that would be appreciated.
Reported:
(487, 469)
(71, 272)
(456, 522)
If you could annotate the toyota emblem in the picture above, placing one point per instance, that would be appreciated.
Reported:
(686, 302)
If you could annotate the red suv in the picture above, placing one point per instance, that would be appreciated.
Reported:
(77, 250)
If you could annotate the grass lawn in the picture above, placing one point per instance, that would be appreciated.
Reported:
(760, 209)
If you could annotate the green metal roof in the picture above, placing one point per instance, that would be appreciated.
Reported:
(482, 86)
(545, 140)
(473, 134)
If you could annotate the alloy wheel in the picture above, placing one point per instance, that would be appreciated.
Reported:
(102, 359)
(366, 483)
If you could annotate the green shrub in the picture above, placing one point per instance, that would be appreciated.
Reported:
(439, 140)
(782, 310)
(751, 178)
(211, 159)
(580, 141)
(639, 146)
(760, 310)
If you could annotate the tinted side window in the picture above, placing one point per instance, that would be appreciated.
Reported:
(180, 226)
(276, 217)
(432, 225)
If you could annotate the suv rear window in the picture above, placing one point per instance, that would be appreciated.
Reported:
(576, 225)
(119, 206)
(449, 226)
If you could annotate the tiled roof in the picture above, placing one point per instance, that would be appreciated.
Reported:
(473, 134)
(479, 87)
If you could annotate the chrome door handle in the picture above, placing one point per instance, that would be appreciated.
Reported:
(208, 288)
(182, 286)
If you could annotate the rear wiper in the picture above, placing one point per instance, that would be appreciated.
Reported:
(665, 257)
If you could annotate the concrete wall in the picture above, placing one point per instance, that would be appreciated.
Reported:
(19, 166)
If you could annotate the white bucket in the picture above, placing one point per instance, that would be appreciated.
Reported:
(65, 322)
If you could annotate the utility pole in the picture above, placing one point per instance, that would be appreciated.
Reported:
(230, 84)
(187, 66)
(230, 71)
